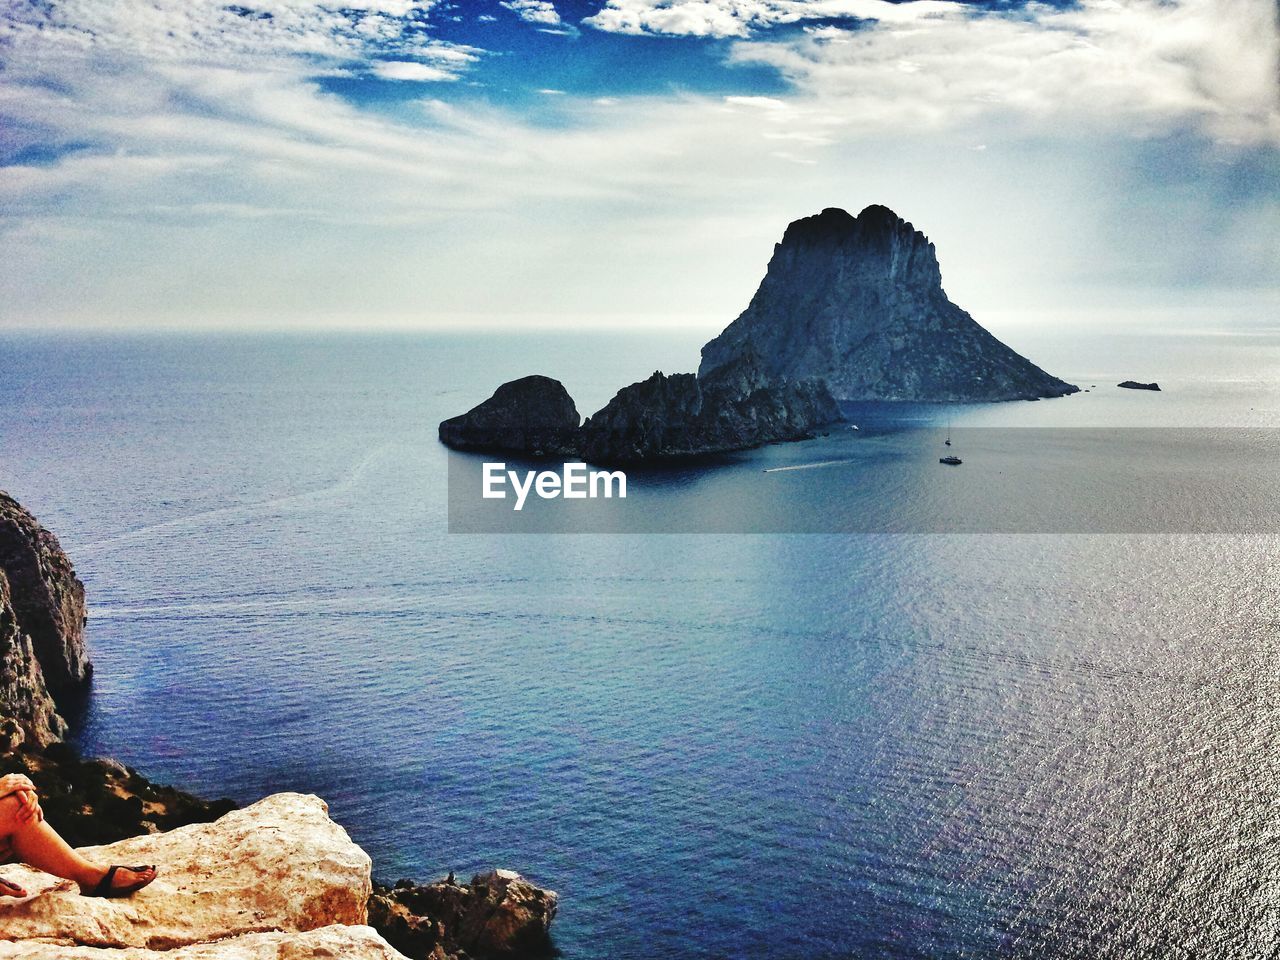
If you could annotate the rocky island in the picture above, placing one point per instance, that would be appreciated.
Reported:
(276, 879)
(1135, 385)
(531, 415)
(858, 302)
(850, 308)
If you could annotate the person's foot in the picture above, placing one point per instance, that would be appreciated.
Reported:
(121, 881)
(9, 889)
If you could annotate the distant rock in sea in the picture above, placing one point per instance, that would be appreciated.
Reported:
(683, 415)
(661, 418)
(858, 302)
(532, 415)
(1135, 385)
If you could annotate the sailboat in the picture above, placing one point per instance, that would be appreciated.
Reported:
(951, 460)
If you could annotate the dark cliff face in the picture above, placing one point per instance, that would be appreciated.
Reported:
(734, 408)
(531, 415)
(47, 599)
(661, 418)
(658, 417)
(858, 302)
(24, 697)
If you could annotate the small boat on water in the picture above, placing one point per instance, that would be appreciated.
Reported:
(952, 461)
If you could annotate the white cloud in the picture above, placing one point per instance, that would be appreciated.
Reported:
(534, 11)
(220, 175)
(738, 18)
(402, 70)
(1147, 65)
(760, 103)
(305, 36)
(1152, 63)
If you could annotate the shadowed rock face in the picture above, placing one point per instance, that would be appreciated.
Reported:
(662, 418)
(734, 408)
(530, 415)
(47, 598)
(102, 801)
(25, 702)
(858, 302)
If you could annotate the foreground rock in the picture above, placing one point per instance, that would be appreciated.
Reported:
(858, 302)
(1135, 385)
(326, 943)
(733, 408)
(280, 864)
(533, 415)
(47, 598)
(498, 914)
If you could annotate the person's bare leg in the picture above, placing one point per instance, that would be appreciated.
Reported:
(39, 845)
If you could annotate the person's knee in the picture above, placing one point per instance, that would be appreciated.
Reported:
(9, 807)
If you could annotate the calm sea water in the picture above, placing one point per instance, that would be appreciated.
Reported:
(779, 746)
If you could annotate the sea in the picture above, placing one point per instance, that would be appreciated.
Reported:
(903, 738)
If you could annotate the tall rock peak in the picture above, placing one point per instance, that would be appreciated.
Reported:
(858, 302)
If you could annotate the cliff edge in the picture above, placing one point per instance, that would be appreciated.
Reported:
(43, 660)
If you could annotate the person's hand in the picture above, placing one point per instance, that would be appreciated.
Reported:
(15, 782)
(29, 811)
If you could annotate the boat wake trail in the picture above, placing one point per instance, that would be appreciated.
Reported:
(241, 510)
(810, 466)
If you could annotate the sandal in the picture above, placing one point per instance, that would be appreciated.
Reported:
(10, 889)
(105, 889)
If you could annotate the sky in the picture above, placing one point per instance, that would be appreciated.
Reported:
(555, 164)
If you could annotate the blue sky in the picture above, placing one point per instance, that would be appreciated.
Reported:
(396, 163)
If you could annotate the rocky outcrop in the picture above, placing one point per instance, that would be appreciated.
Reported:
(278, 865)
(25, 702)
(498, 914)
(683, 415)
(858, 302)
(662, 418)
(532, 415)
(1135, 385)
(47, 598)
